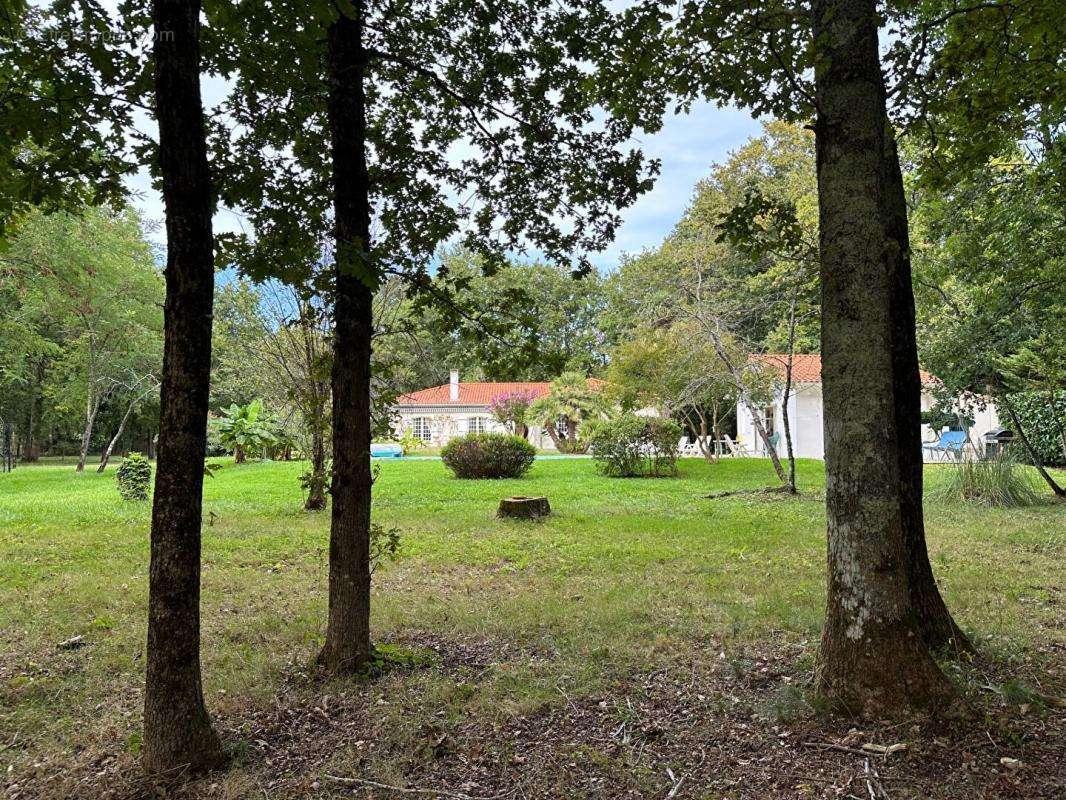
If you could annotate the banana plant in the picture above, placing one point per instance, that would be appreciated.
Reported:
(243, 431)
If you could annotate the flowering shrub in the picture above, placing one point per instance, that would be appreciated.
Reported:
(511, 409)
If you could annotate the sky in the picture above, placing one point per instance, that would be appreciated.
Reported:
(687, 145)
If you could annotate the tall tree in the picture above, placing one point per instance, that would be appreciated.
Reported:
(507, 83)
(178, 736)
(872, 657)
(347, 644)
(84, 313)
(770, 51)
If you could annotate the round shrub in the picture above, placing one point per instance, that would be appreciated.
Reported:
(629, 446)
(134, 477)
(488, 455)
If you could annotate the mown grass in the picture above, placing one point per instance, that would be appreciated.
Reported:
(625, 573)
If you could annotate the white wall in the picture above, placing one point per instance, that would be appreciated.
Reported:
(805, 422)
(805, 416)
(445, 424)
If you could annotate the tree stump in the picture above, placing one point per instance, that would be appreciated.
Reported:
(524, 507)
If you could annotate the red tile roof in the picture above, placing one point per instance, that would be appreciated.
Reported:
(476, 393)
(806, 367)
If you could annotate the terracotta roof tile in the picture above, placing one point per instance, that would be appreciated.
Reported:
(806, 367)
(476, 393)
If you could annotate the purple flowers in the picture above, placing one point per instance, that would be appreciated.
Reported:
(511, 407)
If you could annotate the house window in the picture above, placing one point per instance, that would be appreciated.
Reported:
(768, 420)
(477, 424)
(420, 428)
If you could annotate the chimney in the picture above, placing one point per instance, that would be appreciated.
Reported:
(453, 385)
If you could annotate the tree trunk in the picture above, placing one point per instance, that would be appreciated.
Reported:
(553, 434)
(118, 434)
(791, 485)
(771, 451)
(744, 398)
(935, 623)
(524, 508)
(31, 450)
(871, 659)
(347, 648)
(238, 454)
(92, 406)
(706, 447)
(1033, 455)
(316, 495)
(178, 737)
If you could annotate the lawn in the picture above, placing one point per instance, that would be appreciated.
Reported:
(507, 621)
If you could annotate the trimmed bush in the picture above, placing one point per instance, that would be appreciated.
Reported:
(134, 477)
(629, 446)
(999, 482)
(488, 455)
(1042, 416)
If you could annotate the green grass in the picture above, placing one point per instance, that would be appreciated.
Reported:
(626, 573)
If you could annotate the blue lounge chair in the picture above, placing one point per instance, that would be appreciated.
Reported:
(948, 446)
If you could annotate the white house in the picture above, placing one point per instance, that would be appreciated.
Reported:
(438, 414)
(804, 409)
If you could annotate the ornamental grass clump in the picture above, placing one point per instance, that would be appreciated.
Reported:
(488, 455)
(134, 477)
(998, 482)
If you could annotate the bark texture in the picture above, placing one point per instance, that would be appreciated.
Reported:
(871, 659)
(524, 507)
(347, 648)
(935, 623)
(316, 495)
(178, 737)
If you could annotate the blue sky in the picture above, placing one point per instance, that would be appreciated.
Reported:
(687, 145)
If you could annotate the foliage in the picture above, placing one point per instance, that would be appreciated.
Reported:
(384, 545)
(243, 431)
(512, 409)
(509, 84)
(991, 302)
(63, 136)
(570, 400)
(81, 324)
(946, 412)
(524, 321)
(998, 482)
(410, 443)
(629, 446)
(488, 455)
(747, 263)
(953, 95)
(676, 371)
(1043, 416)
(134, 477)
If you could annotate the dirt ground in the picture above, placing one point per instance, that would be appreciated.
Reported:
(719, 725)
